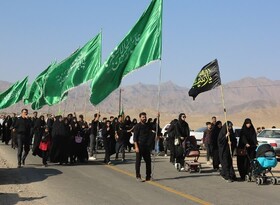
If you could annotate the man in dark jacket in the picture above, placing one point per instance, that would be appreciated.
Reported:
(22, 127)
(94, 129)
(141, 138)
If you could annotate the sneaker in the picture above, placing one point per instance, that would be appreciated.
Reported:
(123, 160)
(209, 163)
(92, 158)
(148, 179)
(109, 163)
(182, 169)
(165, 155)
(139, 179)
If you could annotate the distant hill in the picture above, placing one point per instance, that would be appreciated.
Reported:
(245, 95)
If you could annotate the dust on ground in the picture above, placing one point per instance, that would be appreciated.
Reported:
(12, 189)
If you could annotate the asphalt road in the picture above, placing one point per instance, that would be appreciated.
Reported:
(96, 183)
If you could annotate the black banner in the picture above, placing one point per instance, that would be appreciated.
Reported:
(208, 78)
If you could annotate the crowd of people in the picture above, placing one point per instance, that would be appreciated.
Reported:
(68, 140)
(220, 143)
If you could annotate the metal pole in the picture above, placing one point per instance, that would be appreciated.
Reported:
(120, 101)
(225, 115)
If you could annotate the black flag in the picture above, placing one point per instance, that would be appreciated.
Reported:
(208, 78)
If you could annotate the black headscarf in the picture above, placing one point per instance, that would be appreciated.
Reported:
(215, 134)
(182, 127)
(247, 135)
(223, 140)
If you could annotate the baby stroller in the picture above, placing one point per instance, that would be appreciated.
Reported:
(263, 163)
(191, 155)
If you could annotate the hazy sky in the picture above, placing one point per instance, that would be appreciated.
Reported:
(242, 34)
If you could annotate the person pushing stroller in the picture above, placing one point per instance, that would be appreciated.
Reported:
(182, 132)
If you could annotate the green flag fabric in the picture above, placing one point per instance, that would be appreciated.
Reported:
(140, 46)
(35, 89)
(14, 94)
(38, 100)
(78, 68)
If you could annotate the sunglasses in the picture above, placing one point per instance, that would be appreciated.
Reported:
(184, 117)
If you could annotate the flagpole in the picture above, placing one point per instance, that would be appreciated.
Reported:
(59, 109)
(75, 99)
(65, 105)
(85, 105)
(158, 114)
(225, 115)
(120, 100)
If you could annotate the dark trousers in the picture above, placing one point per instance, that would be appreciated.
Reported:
(216, 158)
(208, 151)
(92, 144)
(120, 148)
(172, 150)
(44, 157)
(23, 144)
(180, 155)
(107, 151)
(145, 153)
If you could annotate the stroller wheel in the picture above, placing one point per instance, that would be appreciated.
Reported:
(187, 167)
(259, 181)
(178, 167)
(199, 169)
(247, 178)
(273, 181)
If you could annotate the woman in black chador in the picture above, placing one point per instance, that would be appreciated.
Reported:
(248, 141)
(214, 142)
(59, 134)
(7, 129)
(226, 140)
(108, 135)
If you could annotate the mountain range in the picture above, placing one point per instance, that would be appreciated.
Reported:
(248, 95)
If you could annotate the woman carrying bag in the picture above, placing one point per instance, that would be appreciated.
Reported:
(246, 147)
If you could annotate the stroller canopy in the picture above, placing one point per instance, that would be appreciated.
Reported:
(264, 148)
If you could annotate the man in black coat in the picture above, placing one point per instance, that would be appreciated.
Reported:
(141, 138)
(22, 127)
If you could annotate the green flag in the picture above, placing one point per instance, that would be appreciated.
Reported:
(35, 89)
(78, 68)
(139, 47)
(14, 94)
(38, 100)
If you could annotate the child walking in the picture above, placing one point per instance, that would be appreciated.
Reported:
(45, 145)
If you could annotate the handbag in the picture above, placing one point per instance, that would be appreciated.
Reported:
(241, 151)
(43, 146)
(176, 141)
